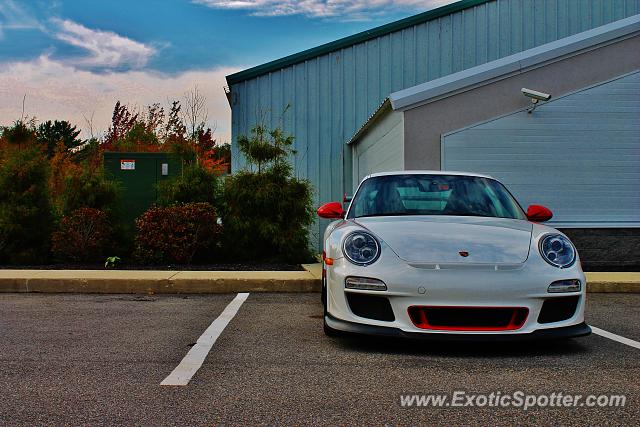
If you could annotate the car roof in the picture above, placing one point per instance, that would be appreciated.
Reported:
(427, 172)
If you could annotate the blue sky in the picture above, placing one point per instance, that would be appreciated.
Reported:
(74, 58)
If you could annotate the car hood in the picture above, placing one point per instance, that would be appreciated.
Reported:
(441, 239)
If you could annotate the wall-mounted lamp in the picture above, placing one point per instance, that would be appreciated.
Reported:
(536, 97)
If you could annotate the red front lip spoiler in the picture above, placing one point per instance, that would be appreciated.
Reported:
(572, 331)
(419, 317)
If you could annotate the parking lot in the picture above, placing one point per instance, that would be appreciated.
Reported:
(91, 359)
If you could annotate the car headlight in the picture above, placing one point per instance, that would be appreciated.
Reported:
(361, 248)
(557, 250)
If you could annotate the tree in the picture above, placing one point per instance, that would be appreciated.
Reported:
(62, 166)
(49, 134)
(21, 134)
(134, 131)
(195, 113)
(223, 153)
(208, 154)
(25, 209)
(267, 147)
(267, 211)
(122, 120)
(175, 127)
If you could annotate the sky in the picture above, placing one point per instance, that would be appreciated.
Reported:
(73, 59)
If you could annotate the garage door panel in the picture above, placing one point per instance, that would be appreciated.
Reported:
(579, 155)
(381, 149)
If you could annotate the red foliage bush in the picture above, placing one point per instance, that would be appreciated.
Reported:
(177, 234)
(83, 236)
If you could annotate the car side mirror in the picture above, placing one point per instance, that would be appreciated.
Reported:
(331, 210)
(538, 213)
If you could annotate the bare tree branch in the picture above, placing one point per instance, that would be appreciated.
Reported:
(89, 123)
(195, 112)
(24, 99)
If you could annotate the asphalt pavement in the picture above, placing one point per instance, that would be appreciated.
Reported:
(99, 360)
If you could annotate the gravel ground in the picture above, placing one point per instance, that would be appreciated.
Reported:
(99, 360)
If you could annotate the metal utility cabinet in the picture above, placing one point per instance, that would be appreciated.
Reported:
(139, 175)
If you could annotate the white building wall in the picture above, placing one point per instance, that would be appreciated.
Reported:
(579, 155)
(380, 149)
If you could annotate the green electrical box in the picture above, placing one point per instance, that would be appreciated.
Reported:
(139, 175)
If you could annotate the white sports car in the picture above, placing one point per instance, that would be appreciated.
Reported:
(444, 255)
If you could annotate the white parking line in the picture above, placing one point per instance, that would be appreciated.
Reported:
(190, 364)
(615, 337)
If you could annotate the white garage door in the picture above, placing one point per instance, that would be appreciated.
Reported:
(381, 149)
(579, 155)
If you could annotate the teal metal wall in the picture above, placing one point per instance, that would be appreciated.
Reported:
(332, 94)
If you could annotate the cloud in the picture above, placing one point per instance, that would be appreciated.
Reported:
(348, 9)
(58, 90)
(14, 17)
(105, 48)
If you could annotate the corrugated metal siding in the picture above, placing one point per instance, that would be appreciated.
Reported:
(578, 155)
(331, 96)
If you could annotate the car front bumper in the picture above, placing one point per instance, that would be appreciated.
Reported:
(573, 331)
(523, 286)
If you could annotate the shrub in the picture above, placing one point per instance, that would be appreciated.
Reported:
(177, 234)
(195, 185)
(267, 211)
(83, 236)
(266, 217)
(88, 188)
(25, 209)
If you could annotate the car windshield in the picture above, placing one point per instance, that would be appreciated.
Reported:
(394, 195)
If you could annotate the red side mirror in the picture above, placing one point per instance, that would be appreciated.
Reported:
(538, 213)
(332, 210)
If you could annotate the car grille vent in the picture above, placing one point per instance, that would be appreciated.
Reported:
(558, 309)
(371, 307)
(469, 318)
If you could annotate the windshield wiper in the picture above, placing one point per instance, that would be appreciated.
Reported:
(384, 214)
(431, 214)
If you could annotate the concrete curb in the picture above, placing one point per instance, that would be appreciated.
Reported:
(216, 282)
(156, 282)
(613, 282)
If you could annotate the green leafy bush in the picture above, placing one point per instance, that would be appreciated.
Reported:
(88, 189)
(183, 234)
(267, 210)
(195, 185)
(84, 236)
(26, 218)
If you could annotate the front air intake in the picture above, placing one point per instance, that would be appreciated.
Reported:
(371, 307)
(558, 309)
(468, 318)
